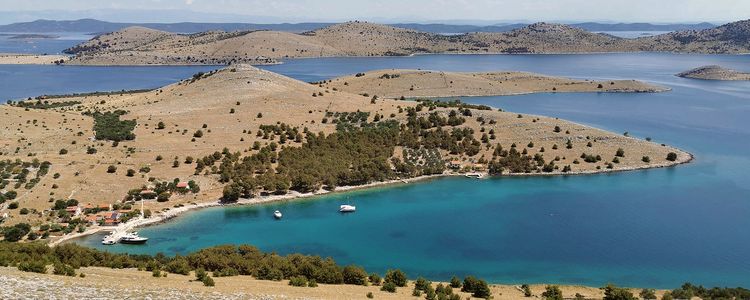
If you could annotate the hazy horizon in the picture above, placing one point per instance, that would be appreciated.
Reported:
(476, 12)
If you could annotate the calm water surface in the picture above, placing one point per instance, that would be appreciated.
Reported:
(654, 228)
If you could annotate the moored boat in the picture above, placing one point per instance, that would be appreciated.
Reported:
(133, 238)
(277, 214)
(345, 208)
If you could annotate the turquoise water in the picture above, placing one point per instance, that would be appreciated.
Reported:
(656, 228)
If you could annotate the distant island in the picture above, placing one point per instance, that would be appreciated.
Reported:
(140, 45)
(714, 72)
(94, 26)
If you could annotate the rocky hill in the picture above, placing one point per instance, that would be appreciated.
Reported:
(139, 45)
(725, 39)
(714, 73)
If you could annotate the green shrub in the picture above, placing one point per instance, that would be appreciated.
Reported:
(388, 287)
(63, 269)
(612, 292)
(298, 281)
(375, 279)
(354, 275)
(370, 295)
(35, 266)
(455, 282)
(396, 277)
(552, 292)
(208, 281)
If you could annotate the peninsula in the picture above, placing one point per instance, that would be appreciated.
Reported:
(242, 133)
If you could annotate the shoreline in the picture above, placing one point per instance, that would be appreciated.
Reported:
(164, 216)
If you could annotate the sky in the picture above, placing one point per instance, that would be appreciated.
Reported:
(459, 11)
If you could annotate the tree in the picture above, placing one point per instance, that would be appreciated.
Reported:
(646, 159)
(198, 133)
(160, 125)
(63, 151)
(111, 169)
(130, 173)
(671, 156)
(620, 152)
(455, 282)
(552, 292)
(396, 277)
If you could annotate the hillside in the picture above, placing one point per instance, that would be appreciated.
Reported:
(714, 73)
(93, 26)
(139, 45)
(425, 83)
(259, 117)
(725, 39)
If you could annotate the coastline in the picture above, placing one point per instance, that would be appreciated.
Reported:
(164, 216)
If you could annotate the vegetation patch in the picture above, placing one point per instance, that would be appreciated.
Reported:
(108, 126)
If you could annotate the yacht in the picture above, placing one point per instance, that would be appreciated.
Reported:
(345, 208)
(277, 214)
(108, 242)
(133, 238)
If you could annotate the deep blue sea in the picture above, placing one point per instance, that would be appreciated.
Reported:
(654, 228)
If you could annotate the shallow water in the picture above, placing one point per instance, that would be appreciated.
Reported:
(654, 228)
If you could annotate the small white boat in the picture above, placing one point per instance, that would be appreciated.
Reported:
(108, 242)
(475, 175)
(277, 214)
(345, 208)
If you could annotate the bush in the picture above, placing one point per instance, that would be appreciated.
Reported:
(671, 156)
(130, 173)
(370, 295)
(63, 151)
(612, 292)
(208, 281)
(375, 279)
(646, 159)
(552, 292)
(526, 290)
(648, 294)
(24, 211)
(111, 169)
(13, 205)
(36, 266)
(388, 287)
(298, 281)
(477, 287)
(63, 269)
(396, 277)
(198, 133)
(354, 275)
(620, 153)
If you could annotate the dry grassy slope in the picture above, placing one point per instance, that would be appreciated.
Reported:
(426, 83)
(184, 107)
(130, 283)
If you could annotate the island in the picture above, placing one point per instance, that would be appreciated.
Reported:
(138, 45)
(714, 72)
